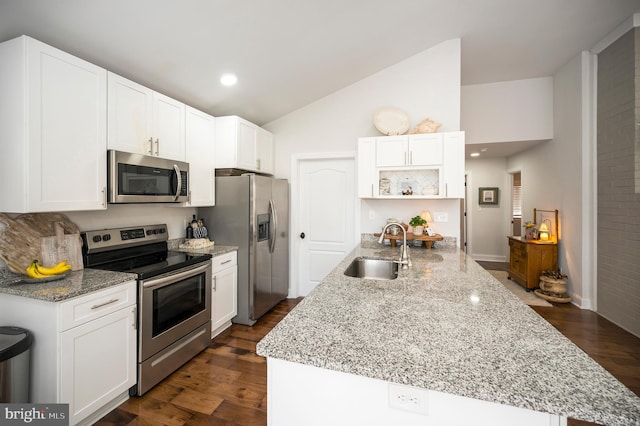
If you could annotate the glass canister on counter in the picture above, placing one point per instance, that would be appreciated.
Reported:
(393, 229)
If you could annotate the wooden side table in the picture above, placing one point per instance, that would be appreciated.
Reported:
(528, 258)
(427, 240)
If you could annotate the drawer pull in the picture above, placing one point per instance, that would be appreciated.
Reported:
(226, 261)
(104, 304)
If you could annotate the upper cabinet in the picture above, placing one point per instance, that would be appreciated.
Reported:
(411, 166)
(241, 144)
(200, 154)
(53, 147)
(143, 121)
(411, 150)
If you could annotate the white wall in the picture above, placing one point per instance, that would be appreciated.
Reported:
(508, 111)
(552, 172)
(489, 225)
(425, 85)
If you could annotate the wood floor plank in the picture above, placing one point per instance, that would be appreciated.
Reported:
(230, 379)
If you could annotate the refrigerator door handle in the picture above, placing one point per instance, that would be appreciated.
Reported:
(274, 228)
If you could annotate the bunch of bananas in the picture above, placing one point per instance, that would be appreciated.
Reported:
(35, 270)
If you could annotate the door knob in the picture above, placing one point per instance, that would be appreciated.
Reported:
(302, 235)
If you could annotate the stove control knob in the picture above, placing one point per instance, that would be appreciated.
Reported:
(106, 237)
(149, 231)
(163, 230)
(155, 232)
(97, 238)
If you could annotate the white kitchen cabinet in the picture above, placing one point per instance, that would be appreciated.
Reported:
(426, 149)
(391, 151)
(428, 165)
(264, 151)
(224, 294)
(241, 144)
(409, 150)
(84, 351)
(52, 129)
(454, 164)
(143, 121)
(367, 183)
(200, 154)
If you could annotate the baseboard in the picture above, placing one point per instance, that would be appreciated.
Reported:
(488, 257)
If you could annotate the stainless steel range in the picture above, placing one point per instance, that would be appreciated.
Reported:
(174, 295)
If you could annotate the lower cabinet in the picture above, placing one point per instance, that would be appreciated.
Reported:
(84, 351)
(528, 258)
(224, 294)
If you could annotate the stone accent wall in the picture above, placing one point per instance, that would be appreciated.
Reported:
(618, 182)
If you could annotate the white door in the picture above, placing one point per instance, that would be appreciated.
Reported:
(326, 231)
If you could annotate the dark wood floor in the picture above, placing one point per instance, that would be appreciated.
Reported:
(226, 383)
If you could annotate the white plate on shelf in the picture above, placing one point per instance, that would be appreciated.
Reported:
(391, 121)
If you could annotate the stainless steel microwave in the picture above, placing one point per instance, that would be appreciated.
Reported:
(136, 178)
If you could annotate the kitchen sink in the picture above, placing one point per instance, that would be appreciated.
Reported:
(377, 269)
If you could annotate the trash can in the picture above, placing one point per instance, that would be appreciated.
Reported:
(15, 351)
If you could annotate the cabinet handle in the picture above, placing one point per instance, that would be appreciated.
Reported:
(446, 190)
(104, 304)
(405, 158)
(135, 318)
(104, 196)
(226, 261)
(150, 146)
(410, 157)
(372, 190)
(215, 283)
(258, 163)
(157, 147)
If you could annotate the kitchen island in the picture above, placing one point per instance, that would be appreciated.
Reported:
(444, 343)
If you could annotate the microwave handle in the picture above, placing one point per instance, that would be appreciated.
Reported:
(179, 176)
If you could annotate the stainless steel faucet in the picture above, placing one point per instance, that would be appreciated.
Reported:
(404, 251)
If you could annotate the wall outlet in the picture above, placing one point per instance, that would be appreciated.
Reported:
(409, 398)
(441, 217)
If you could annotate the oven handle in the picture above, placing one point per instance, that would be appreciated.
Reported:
(170, 279)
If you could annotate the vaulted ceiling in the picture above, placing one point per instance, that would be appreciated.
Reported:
(289, 53)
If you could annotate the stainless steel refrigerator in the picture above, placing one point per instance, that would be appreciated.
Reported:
(252, 213)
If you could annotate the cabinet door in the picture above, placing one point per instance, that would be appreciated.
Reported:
(246, 155)
(454, 165)
(425, 150)
(391, 151)
(200, 154)
(366, 167)
(130, 111)
(264, 151)
(97, 362)
(66, 121)
(168, 127)
(224, 295)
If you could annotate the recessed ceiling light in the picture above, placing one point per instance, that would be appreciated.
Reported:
(228, 79)
(475, 154)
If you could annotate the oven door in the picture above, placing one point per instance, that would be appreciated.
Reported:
(171, 306)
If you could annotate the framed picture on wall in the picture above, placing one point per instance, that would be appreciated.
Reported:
(488, 196)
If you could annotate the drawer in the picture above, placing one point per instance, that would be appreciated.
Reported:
(86, 308)
(224, 261)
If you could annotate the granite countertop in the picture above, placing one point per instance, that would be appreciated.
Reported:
(74, 284)
(447, 325)
(80, 282)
